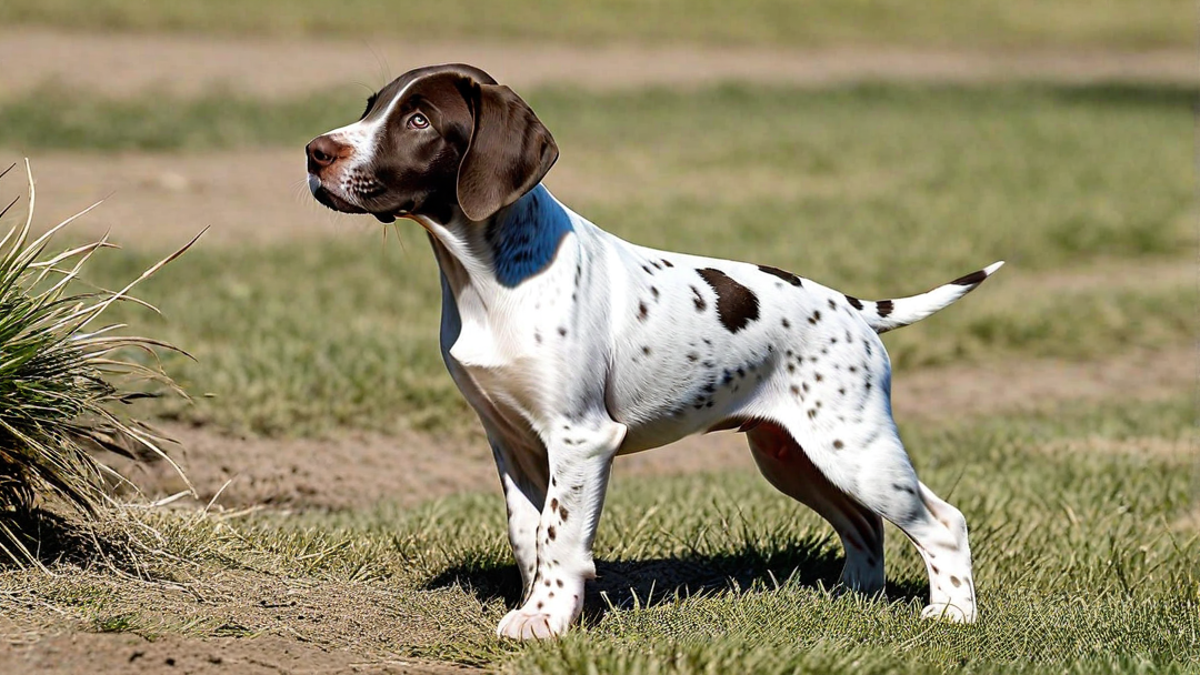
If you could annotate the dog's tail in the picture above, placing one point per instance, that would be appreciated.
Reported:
(885, 315)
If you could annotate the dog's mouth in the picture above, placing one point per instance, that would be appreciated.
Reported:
(330, 200)
(337, 203)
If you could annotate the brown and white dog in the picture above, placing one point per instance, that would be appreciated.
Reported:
(575, 346)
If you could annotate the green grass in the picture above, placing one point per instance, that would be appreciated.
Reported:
(938, 23)
(1079, 567)
(875, 190)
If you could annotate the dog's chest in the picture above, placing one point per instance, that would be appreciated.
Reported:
(522, 352)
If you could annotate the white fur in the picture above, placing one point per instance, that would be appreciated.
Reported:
(614, 348)
(560, 377)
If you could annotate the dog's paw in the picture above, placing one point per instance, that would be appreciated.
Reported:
(521, 625)
(950, 612)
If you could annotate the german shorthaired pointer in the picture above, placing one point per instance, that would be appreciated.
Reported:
(575, 346)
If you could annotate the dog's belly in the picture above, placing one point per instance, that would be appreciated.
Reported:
(690, 383)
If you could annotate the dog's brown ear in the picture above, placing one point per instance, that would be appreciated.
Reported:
(509, 152)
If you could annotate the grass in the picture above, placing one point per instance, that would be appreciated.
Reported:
(1054, 24)
(1081, 568)
(62, 376)
(876, 190)
(961, 175)
(1085, 519)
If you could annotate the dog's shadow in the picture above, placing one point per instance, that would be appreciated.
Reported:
(652, 582)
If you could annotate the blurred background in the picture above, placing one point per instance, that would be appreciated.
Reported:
(879, 147)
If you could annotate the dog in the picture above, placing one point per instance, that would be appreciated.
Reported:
(575, 346)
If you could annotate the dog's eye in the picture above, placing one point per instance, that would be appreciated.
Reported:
(417, 121)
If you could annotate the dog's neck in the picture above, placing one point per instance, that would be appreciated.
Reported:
(505, 251)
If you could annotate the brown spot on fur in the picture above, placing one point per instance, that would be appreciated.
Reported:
(776, 272)
(838, 445)
(698, 299)
(737, 305)
(643, 311)
(854, 302)
(884, 307)
(550, 532)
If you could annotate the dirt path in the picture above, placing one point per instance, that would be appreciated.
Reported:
(125, 653)
(359, 470)
(161, 201)
(117, 65)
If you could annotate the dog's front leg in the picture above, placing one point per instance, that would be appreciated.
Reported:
(579, 457)
(524, 486)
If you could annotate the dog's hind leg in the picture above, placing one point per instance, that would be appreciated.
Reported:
(867, 462)
(785, 465)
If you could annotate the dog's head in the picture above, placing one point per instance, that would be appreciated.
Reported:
(435, 141)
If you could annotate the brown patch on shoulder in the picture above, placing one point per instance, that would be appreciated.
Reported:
(737, 305)
(776, 272)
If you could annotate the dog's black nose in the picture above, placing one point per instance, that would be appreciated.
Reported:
(323, 151)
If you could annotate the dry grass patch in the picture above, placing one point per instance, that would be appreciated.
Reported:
(707, 572)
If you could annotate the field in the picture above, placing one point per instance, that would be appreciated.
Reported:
(347, 517)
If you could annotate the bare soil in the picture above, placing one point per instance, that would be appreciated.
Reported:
(362, 469)
(156, 201)
(124, 64)
(100, 653)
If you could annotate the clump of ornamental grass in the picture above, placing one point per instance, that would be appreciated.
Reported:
(65, 378)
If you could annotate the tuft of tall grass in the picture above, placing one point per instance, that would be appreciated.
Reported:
(63, 379)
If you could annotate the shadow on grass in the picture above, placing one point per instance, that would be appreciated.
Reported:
(652, 582)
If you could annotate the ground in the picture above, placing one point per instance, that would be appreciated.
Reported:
(360, 479)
